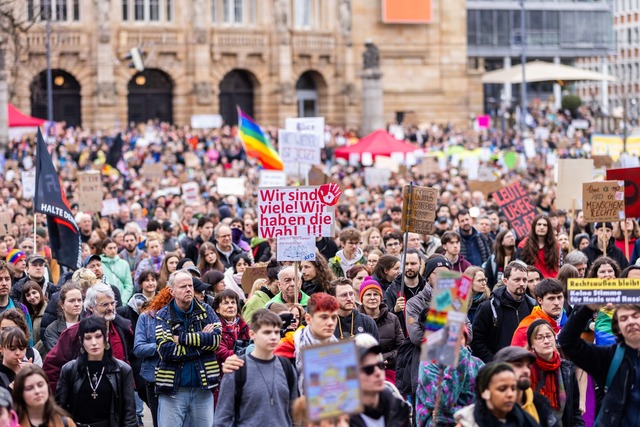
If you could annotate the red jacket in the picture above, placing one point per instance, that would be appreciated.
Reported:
(229, 337)
(520, 335)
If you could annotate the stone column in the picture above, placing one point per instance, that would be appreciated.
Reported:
(557, 90)
(202, 87)
(372, 115)
(508, 94)
(106, 114)
(604, 88)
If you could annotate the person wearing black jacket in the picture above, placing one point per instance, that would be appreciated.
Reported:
(594, 250)
(413, 284)
(621, 403)
(205, 234)
(35, 271)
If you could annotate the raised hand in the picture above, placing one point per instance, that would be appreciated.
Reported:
(329, 194)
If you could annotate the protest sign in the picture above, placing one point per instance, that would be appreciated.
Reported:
(485, 187)
(611, 145)
(153, 170)
(29, 183)
(5, 222)
(602, 161)
(631, 189)
(604, 291)
(231, 186)
(296, 248)
(250, 275)
(572, 173)
(90, 191)
(110, 207)
(419, 209)
(515, 203)
(374, 177)
(307, 124)
(445, 318)
(384, 162)
(206, 121)
(429, 165)
(529, 148)
(297, 211)
(603, 201)
(331, 380)
(191, 160)
(299, 147)
(270, 178)
(190, 193)
(317, 176)
(483, 122)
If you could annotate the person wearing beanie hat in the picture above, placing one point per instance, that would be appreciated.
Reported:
(389, 329)
(18, 261)
(434, 265)
(350, 321)
(552, 376)
(602, 244)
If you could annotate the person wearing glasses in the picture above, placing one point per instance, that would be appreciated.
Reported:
(393, 243)
(225, 246)
(100, 302)
(381, 406)
(479, 290)
(351, 322)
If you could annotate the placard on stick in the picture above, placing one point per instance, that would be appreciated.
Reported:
(485, 187)
(153, 170)
(296, 248)
(90, 191)
(517, 206)
(603, 291)
(603, 201)
(572, 173)
(5, 222)
(331, 380)
(419, 209)
(251, 274)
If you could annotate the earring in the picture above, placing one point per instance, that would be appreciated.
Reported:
(82, 350)
(107, 346)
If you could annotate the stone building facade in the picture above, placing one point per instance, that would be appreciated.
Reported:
(274, 58)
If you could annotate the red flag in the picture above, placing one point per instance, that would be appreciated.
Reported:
(631, 178)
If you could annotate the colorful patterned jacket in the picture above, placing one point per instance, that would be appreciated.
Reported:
(193, 345)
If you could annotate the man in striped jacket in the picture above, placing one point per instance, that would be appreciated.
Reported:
(187, 334)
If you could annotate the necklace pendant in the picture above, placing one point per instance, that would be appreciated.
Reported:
(272, 401)
(94, 395)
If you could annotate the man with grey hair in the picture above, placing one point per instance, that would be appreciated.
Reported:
(187, 335)
(577, 259)
(288, 285)
(225, 246)
(100, 302)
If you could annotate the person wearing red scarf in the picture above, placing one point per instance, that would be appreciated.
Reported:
(553, 377)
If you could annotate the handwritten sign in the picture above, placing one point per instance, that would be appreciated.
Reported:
(297, 211)
(375, 177)
(331, 380)
(572, 173)
(5, 222)
(419, 209)
(603, 201)
(485, 187)
(110, 207)
(153, 170)
(190, 193)
(515, 203)
(604, 291)
(251, 274)
(231, 186)
(90, 191)
(429, 165)
(384, 162)
(296, 248)
(299, 147)
(29, 183)
(191, 160)
(270, 178)
(307, 124)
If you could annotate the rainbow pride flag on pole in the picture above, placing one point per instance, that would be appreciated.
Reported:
(256, 143)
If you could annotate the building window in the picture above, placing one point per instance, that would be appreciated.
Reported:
(302, 10)
(59, 10)
(234, 12)
(147, 10)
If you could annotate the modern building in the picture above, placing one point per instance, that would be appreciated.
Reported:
(273, 58)
(559, 31)
(619, 98)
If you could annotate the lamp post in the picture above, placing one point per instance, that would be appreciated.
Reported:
(4, 100)
(523, 59)
(47, 12)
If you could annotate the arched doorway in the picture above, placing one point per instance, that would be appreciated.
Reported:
(236, 89)
(311, 93)
(67, 103)
(150, 97)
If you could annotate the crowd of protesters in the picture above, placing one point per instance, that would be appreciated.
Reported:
(158, 313)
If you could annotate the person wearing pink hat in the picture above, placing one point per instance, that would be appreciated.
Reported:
(350, 321)
(389, 329)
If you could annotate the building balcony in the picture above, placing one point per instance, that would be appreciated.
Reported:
(69, 41)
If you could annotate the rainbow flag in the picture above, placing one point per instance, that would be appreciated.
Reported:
(256, 144)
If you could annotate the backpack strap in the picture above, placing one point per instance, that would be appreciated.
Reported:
(493, 311)
(288, 371)
(241, 378)
(618, 356)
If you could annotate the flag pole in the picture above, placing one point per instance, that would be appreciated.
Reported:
(35, 227)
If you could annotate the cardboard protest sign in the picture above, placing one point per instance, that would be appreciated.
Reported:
(374, 177)
(153, 170)
(110, 207)
(307, 124)
(231, 186)
(29, 183)
(572, 173)
(297, 211)
(603, 201)
(90, 191)
(383, 162)
(445, 318)
(485, 187)
(251, 274)
(331, 380)
(191, 160)
(190, 193)
(5, 222)
(604, 291)
(631, 178)
(429, 165)
(602, 145)
(419, 209)
(296, 248)
(602, 161)
(517, 206)
(299, 147)
(269, 178)
(317, 176)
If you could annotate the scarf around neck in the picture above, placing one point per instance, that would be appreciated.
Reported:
(548, 372)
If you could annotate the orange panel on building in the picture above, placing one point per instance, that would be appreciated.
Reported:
(406, 11)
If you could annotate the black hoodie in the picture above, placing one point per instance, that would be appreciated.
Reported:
(593, 252)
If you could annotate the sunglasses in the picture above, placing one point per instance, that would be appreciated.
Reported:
(368, 369)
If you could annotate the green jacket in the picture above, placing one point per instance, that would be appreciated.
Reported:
(278, 298)
(257, 301)
(336, 266)
(116, 272)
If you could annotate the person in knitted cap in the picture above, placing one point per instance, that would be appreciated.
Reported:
(18, 261)
(389, 329)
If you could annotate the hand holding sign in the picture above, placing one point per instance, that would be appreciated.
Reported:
(329, 194)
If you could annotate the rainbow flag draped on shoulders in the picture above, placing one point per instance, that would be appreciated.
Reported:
(256, 143)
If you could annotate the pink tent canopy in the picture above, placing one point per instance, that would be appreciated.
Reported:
(379, 143)
(19, 119)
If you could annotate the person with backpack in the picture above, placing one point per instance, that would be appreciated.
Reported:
(614, 366)
(273, 381)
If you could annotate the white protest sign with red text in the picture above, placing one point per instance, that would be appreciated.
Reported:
(297, 211)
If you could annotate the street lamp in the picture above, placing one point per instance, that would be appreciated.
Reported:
(523, 59)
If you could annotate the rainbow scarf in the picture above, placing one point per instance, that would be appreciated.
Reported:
(256, 144)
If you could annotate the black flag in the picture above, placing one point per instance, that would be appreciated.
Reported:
(115, 152)
(50, 200)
